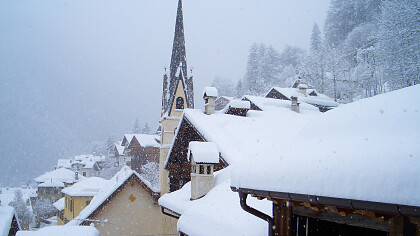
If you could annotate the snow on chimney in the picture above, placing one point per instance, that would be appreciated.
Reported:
(302, 89)
(202, 156)
(209, 94)
(295, 104)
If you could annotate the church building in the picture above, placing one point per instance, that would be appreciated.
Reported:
(178, 93)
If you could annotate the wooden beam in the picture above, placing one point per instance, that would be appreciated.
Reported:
(349, 219)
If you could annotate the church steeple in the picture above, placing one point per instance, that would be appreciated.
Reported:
(178, 71)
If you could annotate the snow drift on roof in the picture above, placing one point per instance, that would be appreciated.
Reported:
(148, 140)
(367, 150)
(320, 100)
(237, 136)
(86, 188)
(6, 216)
(210, 92)
(61, 175)
(52, 184)
(59, 205)
(267, 104)
(217, 213)
(203, 152)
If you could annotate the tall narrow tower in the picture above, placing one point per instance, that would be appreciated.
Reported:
(177, 95)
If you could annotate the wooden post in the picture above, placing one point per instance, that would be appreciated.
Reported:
(401, 226)
(282, 218)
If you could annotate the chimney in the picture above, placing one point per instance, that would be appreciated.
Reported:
(209, 94)
(202, 156)
(295, 104)
(302, 89)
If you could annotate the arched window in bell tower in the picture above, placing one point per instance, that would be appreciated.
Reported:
(179, 103)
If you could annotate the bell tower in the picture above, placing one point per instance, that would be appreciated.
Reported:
(178, 94)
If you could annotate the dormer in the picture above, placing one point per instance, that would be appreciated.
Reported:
(202, 156)
(237, 107)
(209, 95)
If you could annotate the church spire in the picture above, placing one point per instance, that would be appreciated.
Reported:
(179, 64)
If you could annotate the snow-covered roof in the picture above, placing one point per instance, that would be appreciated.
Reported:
(62, 175)
(319, 100)
(148, 140)
(120, 150)
(237, 136)
(127, 139)
(218, 212)
(203, 152)
(107, 190)
(239, 104)
(59, 205)
(87, 187)
(210, 92)
(62, 231)
(266, 104)
(367, 150)
(6, 216)
(88, 161)
(52, 184)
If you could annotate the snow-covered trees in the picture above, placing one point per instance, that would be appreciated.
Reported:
(136, 127)
(225, 87)
(150, 172)
(23, 213)
(266, 68)
(398, 42)
(43, 208)
(146, 129)
(314, 71)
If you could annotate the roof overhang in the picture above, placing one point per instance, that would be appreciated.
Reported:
(386, 208)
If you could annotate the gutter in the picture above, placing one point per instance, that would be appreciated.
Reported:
(386, 208)
(171, 214)
(255, 212)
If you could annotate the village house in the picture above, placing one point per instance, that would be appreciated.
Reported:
(9, 224)
(304, 94)
(51, 183)
(237, 132)
(86, 165)
(143, 149)
(357, 175)
(126, 205)
(77, 197)
(116, 151)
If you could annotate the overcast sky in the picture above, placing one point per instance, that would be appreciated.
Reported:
(73, 72)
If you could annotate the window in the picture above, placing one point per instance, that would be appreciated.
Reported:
(71, 205)
(84, 174)
(87, 202)
(208, 169)
(56, 190)
(201, 169)
(179, 103)
(193, 169)
(47, 190)
(66, 199)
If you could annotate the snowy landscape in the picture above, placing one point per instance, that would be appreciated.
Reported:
(290, 118)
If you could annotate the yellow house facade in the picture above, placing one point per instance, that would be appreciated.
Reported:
(77, 197)
(127, 206)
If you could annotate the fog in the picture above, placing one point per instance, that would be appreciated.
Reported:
(73, 73)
